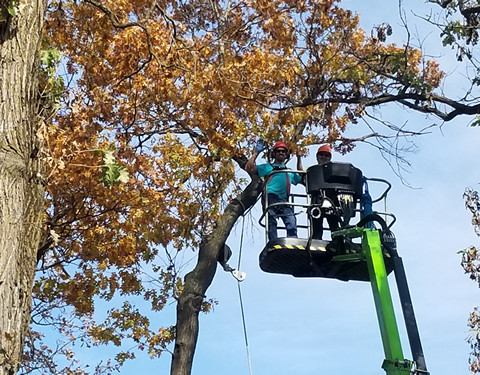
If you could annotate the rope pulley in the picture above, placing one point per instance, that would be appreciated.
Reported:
(223, 258)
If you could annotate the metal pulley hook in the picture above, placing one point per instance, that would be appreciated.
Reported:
(239, 275)
(223, 258)
(315, 212)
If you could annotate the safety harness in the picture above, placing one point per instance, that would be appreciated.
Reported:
(271, 175)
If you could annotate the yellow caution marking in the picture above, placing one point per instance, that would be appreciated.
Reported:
(297, 247)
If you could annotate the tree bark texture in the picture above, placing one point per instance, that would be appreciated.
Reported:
(21, 183)
(200, 278)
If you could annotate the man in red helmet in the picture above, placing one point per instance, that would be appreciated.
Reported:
(278, 187)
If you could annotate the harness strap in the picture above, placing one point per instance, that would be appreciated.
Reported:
(288, 185)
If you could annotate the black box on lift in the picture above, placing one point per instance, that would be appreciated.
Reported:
(336, 176)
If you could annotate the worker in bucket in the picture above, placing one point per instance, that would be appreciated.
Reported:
(324, 155)
(277, 186)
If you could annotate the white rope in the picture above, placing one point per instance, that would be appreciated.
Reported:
(241, 300)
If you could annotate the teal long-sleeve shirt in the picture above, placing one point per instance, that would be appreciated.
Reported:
(278, 183)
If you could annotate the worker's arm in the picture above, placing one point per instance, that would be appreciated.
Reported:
(299, 162)
(251, 167)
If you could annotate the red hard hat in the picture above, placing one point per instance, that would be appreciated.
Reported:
(325, 148)
(280, 144)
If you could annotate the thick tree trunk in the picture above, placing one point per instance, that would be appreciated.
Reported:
(198, 281)
(21, 186)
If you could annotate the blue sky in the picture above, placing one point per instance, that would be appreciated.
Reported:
(323, 326)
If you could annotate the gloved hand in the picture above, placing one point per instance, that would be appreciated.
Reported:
(260, 146)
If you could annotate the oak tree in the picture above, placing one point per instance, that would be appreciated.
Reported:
(177, 94)
(22, 170)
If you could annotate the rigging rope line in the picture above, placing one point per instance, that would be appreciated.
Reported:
(241, 300)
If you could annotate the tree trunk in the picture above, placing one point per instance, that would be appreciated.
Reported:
(21, 183)
(198, 280)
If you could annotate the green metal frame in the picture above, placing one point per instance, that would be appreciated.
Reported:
(394, 363)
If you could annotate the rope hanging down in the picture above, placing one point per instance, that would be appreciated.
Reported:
(239, 276)
(241, 300)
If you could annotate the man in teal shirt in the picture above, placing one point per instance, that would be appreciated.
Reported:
(278, 187)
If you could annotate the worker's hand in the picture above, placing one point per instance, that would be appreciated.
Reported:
(260, 146)
(299, 152)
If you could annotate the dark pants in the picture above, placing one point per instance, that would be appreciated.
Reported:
(285, 212)
(317, 225)
(332, 220)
